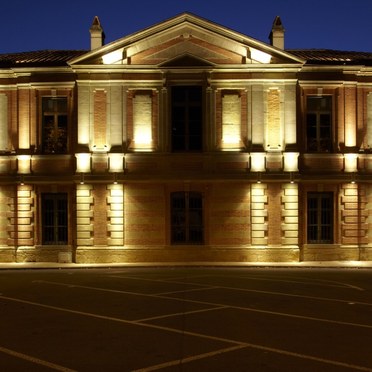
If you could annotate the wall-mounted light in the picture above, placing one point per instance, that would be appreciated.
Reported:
(291, 178)
(115, 179)
(258, 177)
(82, 179)
(103, 148)
(353, 178)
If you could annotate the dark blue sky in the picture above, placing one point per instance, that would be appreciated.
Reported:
(40, 24)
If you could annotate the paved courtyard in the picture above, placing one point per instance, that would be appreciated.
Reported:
(186, 319)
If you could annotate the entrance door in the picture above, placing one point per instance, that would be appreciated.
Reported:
(186, 218)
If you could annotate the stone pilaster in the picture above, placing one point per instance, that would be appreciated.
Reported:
(115, 215)
(259, 214)
(289, 214)
(84, 215)
(354, 214)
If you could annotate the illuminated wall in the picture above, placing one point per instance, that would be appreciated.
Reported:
(231, 120)
(142, 120)
(3, 122)
(24, 112)
(273, 131)
(100, 122)
(84, 109)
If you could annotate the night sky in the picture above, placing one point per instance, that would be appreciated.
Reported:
(39, 24)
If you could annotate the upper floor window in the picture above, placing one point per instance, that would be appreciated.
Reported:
(319, 124)
(54, 125)
(187, 118)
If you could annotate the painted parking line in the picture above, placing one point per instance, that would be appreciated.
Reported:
(317, 282)
(178, 362)
(328, 299)
(180, 314)
(34, 360)
(205, 286)
(216, 304)
(261, 348)
(235, 344)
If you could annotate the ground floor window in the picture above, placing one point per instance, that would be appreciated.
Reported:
(320, 218)
(186, 218)
(54, 219)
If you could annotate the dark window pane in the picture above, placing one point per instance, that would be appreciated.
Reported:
(187, 118)
(186, 218)
(320, 218)
(54, 125)
(319, 124)
(54, 219)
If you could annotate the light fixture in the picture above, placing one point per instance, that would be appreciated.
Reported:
(258, 177)
(352, 179)
(291, 179)
(81, 178)
(22, 181)
(115, 178)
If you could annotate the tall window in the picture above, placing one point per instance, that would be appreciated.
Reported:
(186, 218)
(319, 124)
(54, 125)
(320, 218)
(54, 219)
(187, 118)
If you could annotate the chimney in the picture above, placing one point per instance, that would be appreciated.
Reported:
(97, 35)
(277, 34)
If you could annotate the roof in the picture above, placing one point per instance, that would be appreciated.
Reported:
(45, 58)
(40, 58)
(335, 57)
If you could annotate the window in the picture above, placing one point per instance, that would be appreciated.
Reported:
(54, 125)
(320, 218)
(186, 218)
(54, 219)
(319, 124)
(187, 118)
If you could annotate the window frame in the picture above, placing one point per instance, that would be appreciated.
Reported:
(320, 218)
(317, 146)
(188, 142)
(182, 230)
(55, 227)
(56, 114)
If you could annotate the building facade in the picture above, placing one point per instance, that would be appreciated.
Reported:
(185, 142)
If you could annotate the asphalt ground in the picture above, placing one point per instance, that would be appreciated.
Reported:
(186, 319)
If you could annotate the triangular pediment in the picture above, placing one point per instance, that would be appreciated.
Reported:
(186, 40)
(186, 60)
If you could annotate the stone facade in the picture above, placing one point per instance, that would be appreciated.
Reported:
(185, 142)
